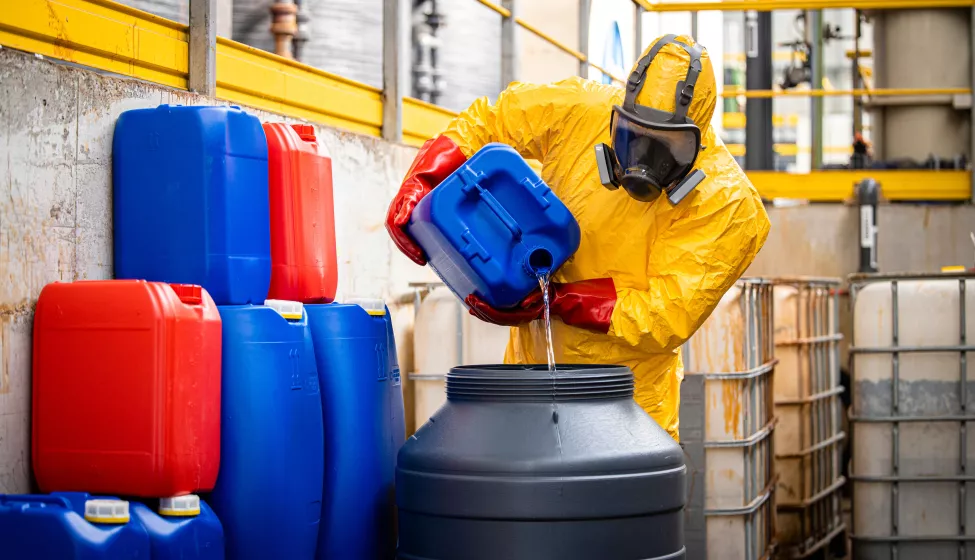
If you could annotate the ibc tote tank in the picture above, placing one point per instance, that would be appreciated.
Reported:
(807, 404)
(445, 335)
(913, 404)
(726, 422)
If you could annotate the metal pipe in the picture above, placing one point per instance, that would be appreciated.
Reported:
(585, 8)
(509, 44)
(887, 92)
(814, 24)
(638, 12)
(772, 5)
(284, 25)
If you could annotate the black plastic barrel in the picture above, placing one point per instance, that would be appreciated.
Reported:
(523, 464)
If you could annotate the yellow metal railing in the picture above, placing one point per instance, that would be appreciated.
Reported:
(734, 92)
(504, 12)
(108, 36)
(771, 5)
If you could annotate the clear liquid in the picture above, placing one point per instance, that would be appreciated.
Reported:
(543, 281)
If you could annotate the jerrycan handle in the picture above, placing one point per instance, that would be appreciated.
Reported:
(37, 499)
(471, 186)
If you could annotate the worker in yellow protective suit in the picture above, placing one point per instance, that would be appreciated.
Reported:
(657, 254)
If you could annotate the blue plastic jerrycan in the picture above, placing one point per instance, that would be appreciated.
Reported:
(492, 225)
(362, 404)
(185, 528)
(190, 200)
(70, 526)
(269, 492)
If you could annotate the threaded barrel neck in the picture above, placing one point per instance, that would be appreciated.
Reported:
(534, 383)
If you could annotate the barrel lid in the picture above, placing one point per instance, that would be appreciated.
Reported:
(373, 306)
(290, 310)
(535, 383)
(107, 511)
(180, 506)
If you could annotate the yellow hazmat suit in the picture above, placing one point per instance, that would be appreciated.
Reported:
(670, 264)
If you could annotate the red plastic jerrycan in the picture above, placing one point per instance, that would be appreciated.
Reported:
(303, 264)
(126, 390)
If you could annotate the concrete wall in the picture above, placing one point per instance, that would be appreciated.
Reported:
(56, 126)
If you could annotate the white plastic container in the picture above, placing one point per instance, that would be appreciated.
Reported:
(913, 384)
(445, 335)
(808, 434)
(726, 426)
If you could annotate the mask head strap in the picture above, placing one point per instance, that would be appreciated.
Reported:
(685, 88)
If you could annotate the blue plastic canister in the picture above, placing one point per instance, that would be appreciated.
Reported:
(362, 406)
(191, 200)
(70, 527)
(185, 528)
(492, 225)
(269, 491)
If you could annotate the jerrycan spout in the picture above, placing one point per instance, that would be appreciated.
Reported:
(539, 262)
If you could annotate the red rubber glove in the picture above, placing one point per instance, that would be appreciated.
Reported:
(588, 305)
(528, 310)
(438, 158)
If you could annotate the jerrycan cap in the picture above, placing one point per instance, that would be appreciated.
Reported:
(190, 294)
(290, 310)
(107, 511)
(375, 307)
(305, 131)
(180, 506)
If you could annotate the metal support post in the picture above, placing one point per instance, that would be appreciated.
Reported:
(638, 31)
(971, 125)
(585, 7)
(203, 47)
(694, 25)
(392, 80)
(759, 153)
(509, 44)
(815, 22)
(857, 81)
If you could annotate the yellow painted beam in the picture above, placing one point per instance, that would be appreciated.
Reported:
(737, 91)
(100, 34)
(770, 5)
(266, 81)
(422, 121)
(837, 186)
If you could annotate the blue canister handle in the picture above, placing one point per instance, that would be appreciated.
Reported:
(501, 213)
(470, 179)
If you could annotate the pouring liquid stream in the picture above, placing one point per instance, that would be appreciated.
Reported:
(543, 282)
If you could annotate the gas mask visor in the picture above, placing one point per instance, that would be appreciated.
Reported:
(653, 151)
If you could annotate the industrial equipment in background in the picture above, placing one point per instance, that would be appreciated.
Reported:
(428, 80)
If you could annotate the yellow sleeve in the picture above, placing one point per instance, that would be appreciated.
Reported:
(527, 117)
(698, 256)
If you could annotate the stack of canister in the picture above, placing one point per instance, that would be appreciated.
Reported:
(218, 348)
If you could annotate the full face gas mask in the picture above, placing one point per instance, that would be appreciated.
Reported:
(653, 151)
